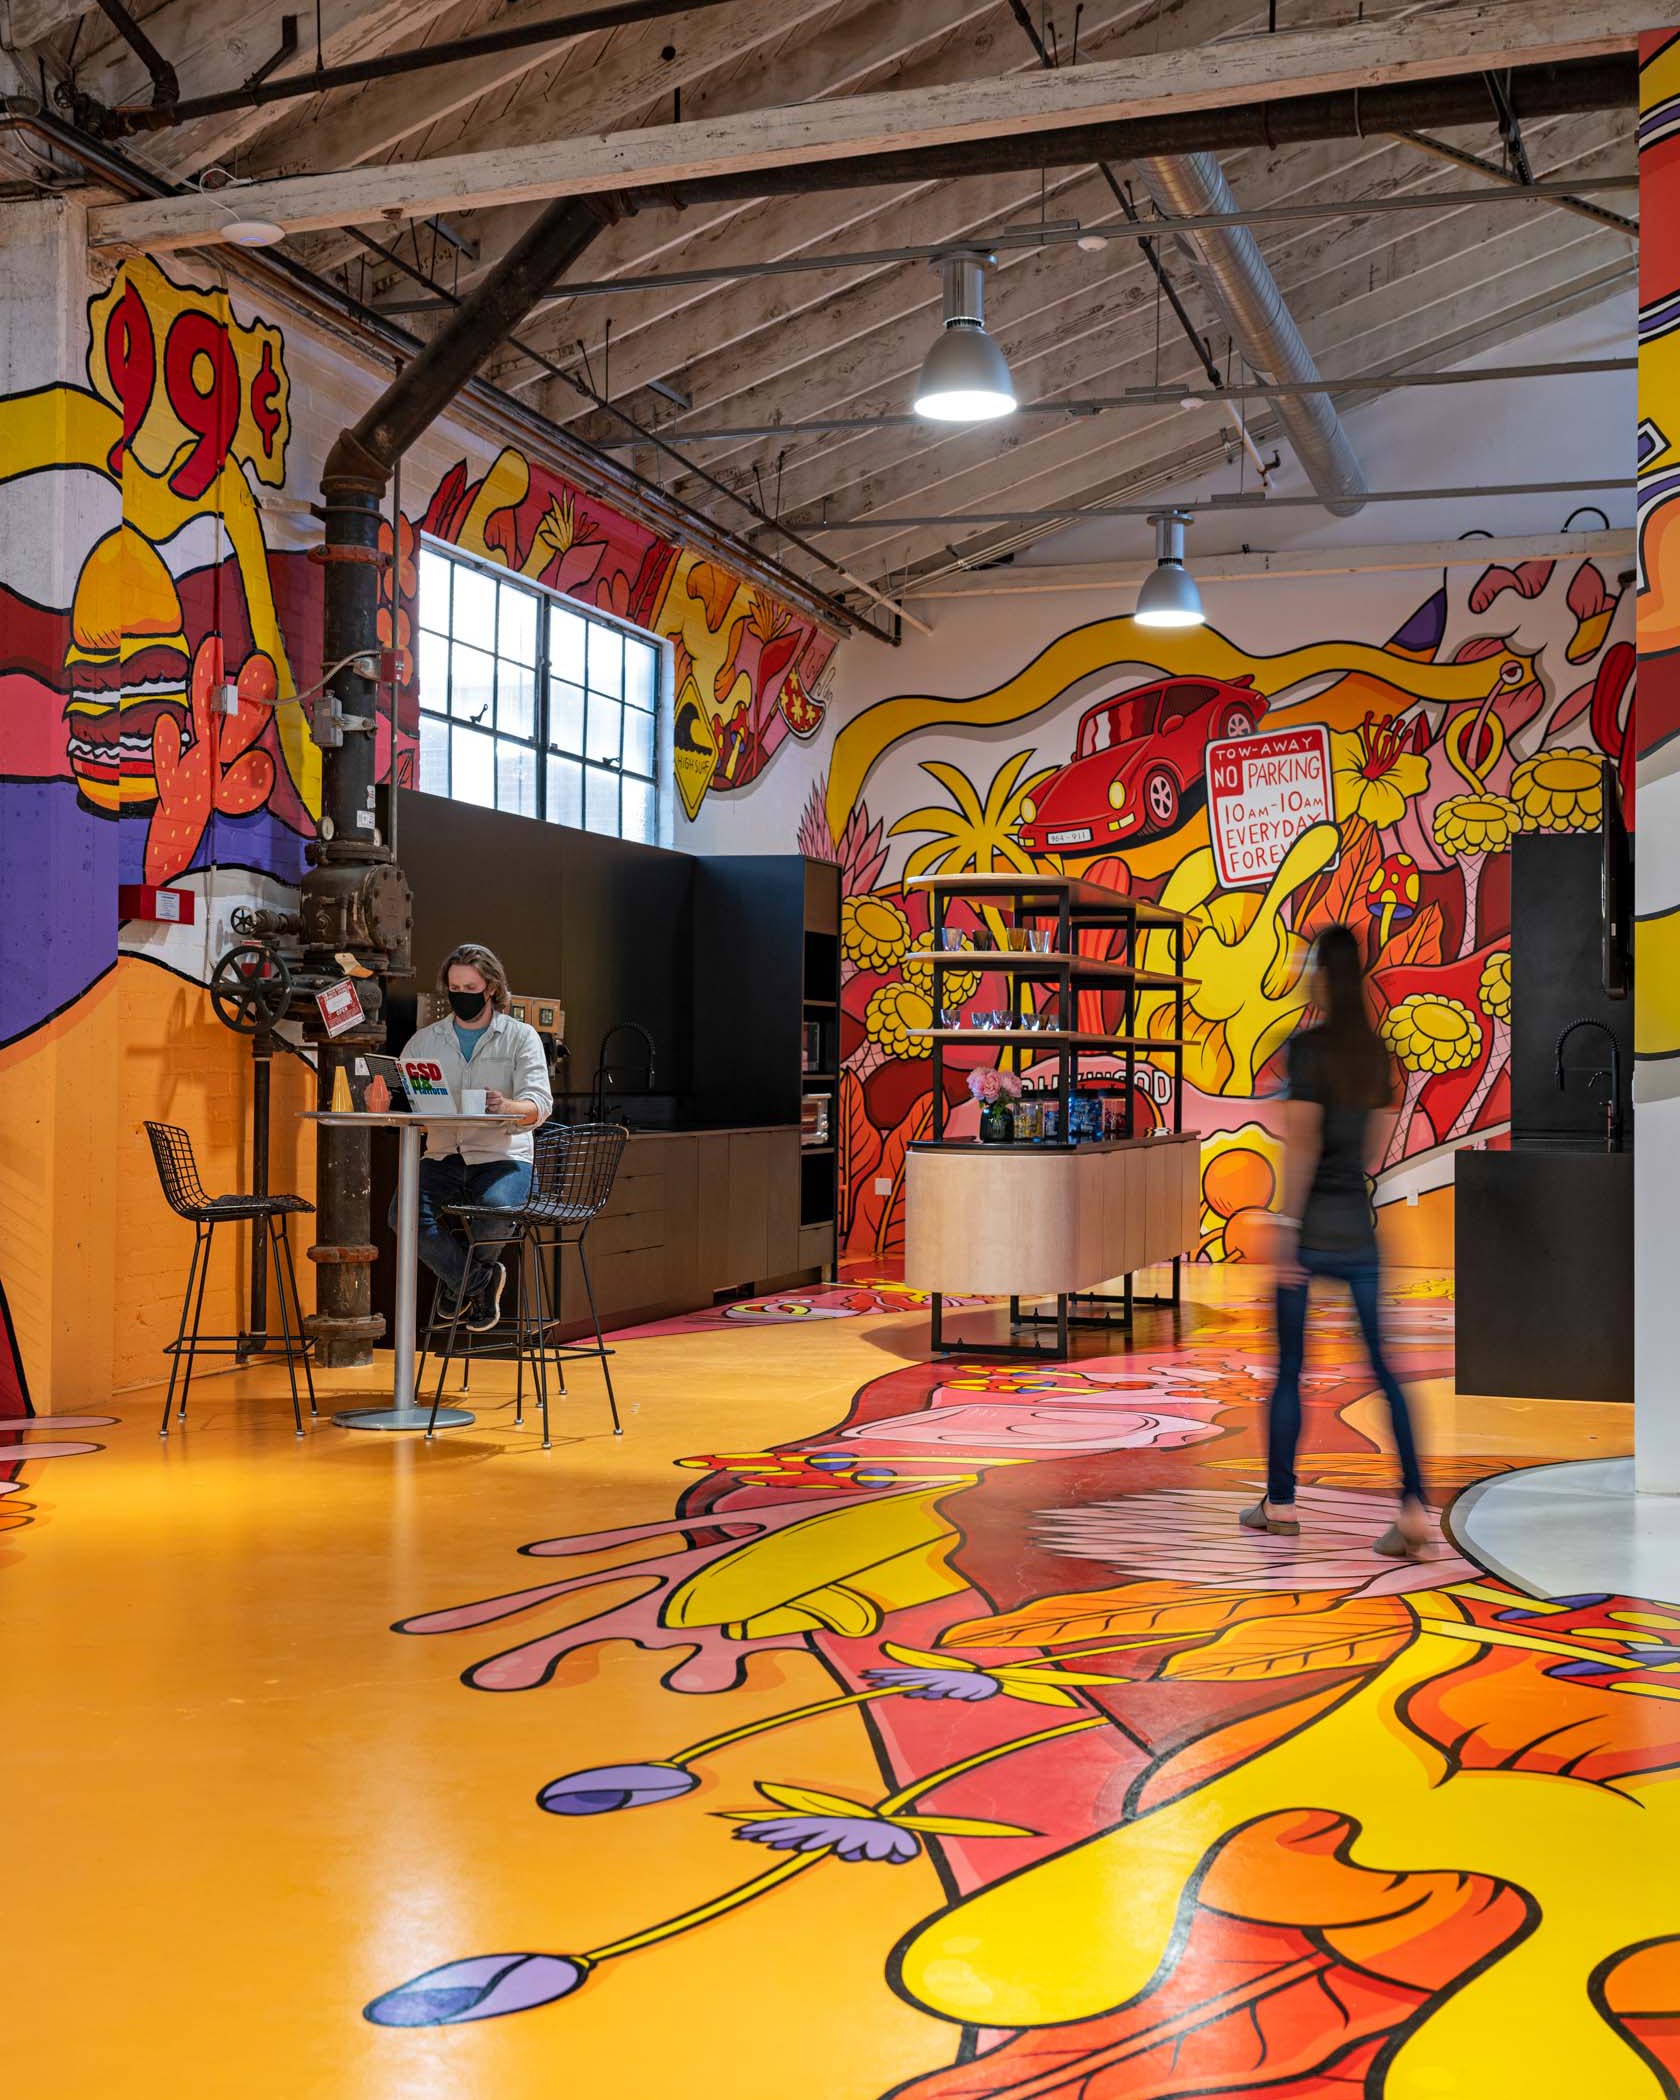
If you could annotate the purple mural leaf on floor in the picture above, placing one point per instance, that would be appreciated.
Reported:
(478, 1987)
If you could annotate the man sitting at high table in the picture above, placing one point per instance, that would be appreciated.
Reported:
(480, 1045)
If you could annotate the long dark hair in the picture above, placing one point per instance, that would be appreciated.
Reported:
(1356, 1065)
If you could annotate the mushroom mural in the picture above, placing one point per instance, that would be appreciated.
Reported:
(1391, 895)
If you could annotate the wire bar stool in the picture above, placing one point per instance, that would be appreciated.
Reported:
(177, 1170)
(574, 1167)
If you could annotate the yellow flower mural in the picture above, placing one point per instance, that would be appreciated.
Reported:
(1476, 824)
(1431, 1034)
(1495, 988)
(874, 933)
(895, 1011)
(1375, 773)
(1560, 791)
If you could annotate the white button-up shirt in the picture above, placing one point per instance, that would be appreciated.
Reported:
(509, 1060)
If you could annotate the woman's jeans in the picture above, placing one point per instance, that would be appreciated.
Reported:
(1358, 1270)
(444, 1248)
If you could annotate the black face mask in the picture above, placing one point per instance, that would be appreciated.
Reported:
(467, 1006)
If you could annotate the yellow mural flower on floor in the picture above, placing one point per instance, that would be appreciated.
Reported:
(1494, 991)
(972, 834)
(874, 933)
(1431, 1034)
(958, 984)
(893, 1013)
(1476, 824)
(1560, 791)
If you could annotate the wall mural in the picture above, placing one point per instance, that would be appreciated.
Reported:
(747, 671)
(137, 581)
(1484, 714)
(1372, 1821)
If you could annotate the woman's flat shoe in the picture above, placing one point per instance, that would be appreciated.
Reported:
(1260, 1518)
(1396, 1545)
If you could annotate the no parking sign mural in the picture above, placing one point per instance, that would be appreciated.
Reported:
(1263, 791)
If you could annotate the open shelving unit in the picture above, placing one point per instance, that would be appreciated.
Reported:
(1074, 907)
(1069, 908)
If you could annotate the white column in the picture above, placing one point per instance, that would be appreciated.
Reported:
(1656, 1087)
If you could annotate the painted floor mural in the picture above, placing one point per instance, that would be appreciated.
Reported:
(858, 1726)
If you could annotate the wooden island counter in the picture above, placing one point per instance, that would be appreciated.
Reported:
(1053, 1220)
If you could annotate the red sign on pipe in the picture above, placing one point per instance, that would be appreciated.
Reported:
(341, 1007)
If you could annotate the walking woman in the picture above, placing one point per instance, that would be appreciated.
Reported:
(1338, 1116)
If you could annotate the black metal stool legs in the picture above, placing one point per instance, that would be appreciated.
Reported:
(197, 1317)
(449, 1342)
(283, 1226)
(179, 1349)
(269, 1225)
(600, 1337)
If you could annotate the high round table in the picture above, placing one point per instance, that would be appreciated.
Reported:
(405, 1412)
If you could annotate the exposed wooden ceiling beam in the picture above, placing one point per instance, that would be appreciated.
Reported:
(1474, 37)
(622, 78)
(785, 226)
(619, 85)
(218, 44)
(30, 22)
(881, 44)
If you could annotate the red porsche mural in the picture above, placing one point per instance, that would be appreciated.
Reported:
(1136, 758)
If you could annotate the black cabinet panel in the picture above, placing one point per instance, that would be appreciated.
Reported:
(1557, 976)
(1545, 1273)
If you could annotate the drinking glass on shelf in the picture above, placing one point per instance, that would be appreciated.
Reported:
(1015, 939)
(1041, 940)
(950, 1017)
(952, 937)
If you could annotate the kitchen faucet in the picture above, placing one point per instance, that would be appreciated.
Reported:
(609, 1077)
(1613, 1107)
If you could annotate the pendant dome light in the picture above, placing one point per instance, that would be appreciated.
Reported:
(965, 376)
(1169, 597)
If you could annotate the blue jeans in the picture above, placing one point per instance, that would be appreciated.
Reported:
(1359, 1272)
(444, 1248)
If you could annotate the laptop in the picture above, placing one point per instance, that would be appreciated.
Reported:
(365, 1067)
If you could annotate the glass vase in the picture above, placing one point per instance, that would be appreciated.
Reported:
(997, 1124)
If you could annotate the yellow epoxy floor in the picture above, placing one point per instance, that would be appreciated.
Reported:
(1209, 1813)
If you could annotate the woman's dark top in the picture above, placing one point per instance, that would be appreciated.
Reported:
(1337, 1216)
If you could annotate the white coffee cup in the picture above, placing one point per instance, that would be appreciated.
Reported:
(472, 1100)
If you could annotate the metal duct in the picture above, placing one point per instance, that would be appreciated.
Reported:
(1237, 278)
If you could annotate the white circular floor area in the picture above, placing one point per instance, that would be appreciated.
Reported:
(1573, 1530)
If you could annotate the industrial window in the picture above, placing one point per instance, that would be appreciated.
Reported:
(530, 704)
